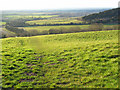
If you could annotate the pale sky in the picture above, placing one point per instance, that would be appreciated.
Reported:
(56, 4)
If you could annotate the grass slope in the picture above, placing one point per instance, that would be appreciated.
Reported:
(76, 60)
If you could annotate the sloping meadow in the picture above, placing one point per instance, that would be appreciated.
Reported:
(75, 60)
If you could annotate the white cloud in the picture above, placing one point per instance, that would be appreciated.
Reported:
(56, 4)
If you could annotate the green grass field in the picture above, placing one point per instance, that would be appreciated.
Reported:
(75, 60)
(54, 21)
(28, 16)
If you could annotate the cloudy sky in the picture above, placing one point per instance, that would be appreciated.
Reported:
(56, 4)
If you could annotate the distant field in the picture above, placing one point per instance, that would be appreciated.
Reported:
(34, 16)
(76, 60)
(41, 28)
(55, 27)
(54, 21)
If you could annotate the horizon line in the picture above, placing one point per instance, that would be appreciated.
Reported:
(59, 9)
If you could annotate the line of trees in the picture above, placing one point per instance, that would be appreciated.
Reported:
(22, 23)
(17, 31)
(93, 27)
(70, 23)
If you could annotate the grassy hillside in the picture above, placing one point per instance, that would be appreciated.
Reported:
(76, 60)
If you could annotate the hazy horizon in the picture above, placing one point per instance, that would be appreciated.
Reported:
(59, 9)
(56, 4)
